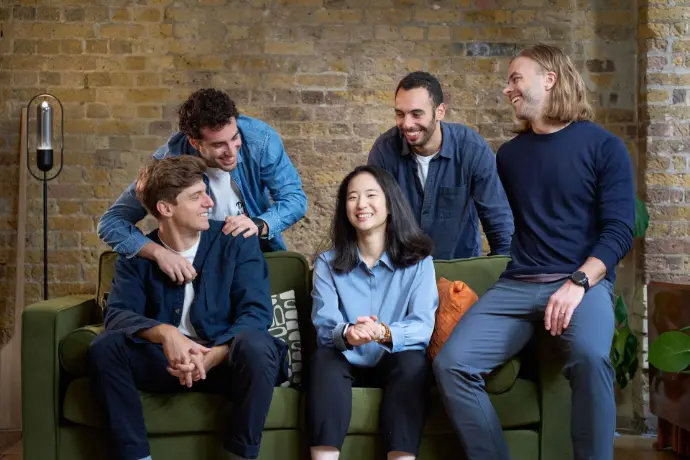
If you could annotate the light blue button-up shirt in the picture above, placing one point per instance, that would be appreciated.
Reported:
(404, 298)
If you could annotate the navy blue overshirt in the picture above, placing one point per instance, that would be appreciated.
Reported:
(232, 291)
(462, 189)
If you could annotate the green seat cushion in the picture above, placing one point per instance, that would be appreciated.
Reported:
(180, 412)
(517, 407)
(523, 444)
(479, 273)
(74, 347)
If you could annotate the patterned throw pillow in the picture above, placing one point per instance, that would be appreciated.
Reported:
(286, 328)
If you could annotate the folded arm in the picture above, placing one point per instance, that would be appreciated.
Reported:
(616, 197)
(326, 316)
(284, 185)
(126, 308)
(117, 228)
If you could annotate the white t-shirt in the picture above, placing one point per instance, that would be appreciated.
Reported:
(423, 166)
(185, 322)
(226, 201)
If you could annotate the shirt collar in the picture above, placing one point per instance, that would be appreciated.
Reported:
(384, 260)
(445, 149)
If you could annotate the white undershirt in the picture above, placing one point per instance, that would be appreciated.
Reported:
(185, 322)
(423, 166)
(226, 201)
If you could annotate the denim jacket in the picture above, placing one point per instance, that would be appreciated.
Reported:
(264, 172)
(462, 189)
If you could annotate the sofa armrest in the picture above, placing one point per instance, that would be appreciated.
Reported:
(555, 394)
(44, 325)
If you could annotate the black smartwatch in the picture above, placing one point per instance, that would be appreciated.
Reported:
(580, 278)
(260, 224)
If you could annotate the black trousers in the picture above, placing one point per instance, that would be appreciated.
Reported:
(404, 377)
(119, 367)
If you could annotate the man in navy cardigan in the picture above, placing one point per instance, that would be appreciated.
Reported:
(209, 334)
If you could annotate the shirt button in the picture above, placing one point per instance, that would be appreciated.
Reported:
(177, 310)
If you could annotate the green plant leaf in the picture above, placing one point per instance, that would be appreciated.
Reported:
(621, 311)
(641, 218)
(622, 380)
(618, 353)
(631, 345)
(670, 352)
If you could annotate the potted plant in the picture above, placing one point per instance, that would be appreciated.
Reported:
(625, 345)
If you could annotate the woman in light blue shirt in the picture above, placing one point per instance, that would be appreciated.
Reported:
(374, 304)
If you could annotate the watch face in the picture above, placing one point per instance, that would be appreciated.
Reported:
(579, 277)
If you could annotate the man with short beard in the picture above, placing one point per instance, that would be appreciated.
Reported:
(570, 186)
(254, 185)
(447, 172)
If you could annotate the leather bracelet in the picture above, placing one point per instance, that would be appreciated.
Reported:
(387, 338)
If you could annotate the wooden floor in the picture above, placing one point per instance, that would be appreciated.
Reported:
(627, 448)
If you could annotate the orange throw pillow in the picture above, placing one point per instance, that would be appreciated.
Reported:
(454, 299)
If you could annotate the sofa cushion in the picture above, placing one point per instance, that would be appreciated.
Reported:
(516, 407)
(106, 268)
(179, 412)
(479, 273)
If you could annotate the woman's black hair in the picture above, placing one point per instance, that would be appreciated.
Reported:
(406, 243)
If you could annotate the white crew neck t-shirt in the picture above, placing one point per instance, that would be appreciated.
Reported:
(185, 322)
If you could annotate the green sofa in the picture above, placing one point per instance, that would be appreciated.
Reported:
(60, 420)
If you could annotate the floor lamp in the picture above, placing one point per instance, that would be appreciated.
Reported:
(44, 162)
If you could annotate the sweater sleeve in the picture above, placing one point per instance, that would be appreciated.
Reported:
(616, 203)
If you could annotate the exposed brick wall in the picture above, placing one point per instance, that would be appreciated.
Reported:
(665, 131)
(321, 71)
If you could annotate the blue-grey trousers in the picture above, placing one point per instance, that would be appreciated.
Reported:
(495, 329)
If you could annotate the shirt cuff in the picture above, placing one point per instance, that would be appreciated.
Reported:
(338, 337)
(607, 256)
(131, 332)
(397, 339)
(132, 245)
(272, 221)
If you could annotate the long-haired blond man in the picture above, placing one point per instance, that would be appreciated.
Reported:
(570, 185)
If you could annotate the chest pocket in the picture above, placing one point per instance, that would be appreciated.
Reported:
(451, 201)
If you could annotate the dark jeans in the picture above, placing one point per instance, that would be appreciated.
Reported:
(405, 378)
(120, 367)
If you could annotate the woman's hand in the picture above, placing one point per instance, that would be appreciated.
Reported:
(366, 330)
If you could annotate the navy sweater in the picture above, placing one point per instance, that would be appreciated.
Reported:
(572, 195)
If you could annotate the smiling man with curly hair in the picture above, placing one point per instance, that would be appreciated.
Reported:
(254, 185)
